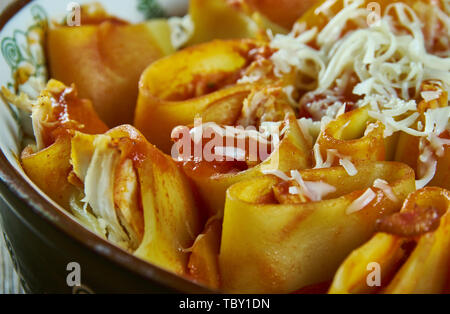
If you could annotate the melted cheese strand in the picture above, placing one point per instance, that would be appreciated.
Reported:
(361, 202)
(348, 166)
(384, 186)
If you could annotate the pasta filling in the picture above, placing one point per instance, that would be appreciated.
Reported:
(210, 149)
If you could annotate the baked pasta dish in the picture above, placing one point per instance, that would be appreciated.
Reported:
(254, 146)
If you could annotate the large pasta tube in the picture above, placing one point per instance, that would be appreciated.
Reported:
(427, 268)
(127, 182)
(57, 113)
(215, 19)
(442, 174)
(171, 217)
(195, 82)
(204, 260)
(411, 254)
(115, 182)
(279, 248)
(284, 12)
(49, 170)
(114, 55)
(352, 136)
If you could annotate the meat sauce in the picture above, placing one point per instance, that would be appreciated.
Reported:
(283, 196)
(315, 105)
(68, 114)
(212, 162)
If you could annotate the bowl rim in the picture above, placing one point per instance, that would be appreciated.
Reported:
(40, 206)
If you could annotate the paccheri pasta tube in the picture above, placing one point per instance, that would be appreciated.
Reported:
(173, 94)
(107, 50)
(229, 82)
(142, 195)
(214, 19)
(56, 114)
(350, 137)
(411, 251)
(270, 247)
(115, 182)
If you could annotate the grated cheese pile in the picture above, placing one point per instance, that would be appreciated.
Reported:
(387, 61)
(390, 59)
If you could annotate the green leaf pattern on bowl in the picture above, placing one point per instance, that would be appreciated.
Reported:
(151, 9)
(24, 50)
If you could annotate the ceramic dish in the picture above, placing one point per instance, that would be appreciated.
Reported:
(41, 237)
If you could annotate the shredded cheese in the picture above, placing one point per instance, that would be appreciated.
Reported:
(268, 129)
(233, 153)
(389, 59)
(318, 156)
(430, 95)
(341, 110)
(310, 129)
(277, 173)
(182, 29)
(289, 90)
(384, 186)
(348, 166)
(344, 161)
(293, 190)
(313, 190)
(319, 189)
(436, 120)
(370, 128)
(386, 60)
(427, 165)
(361, 202)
